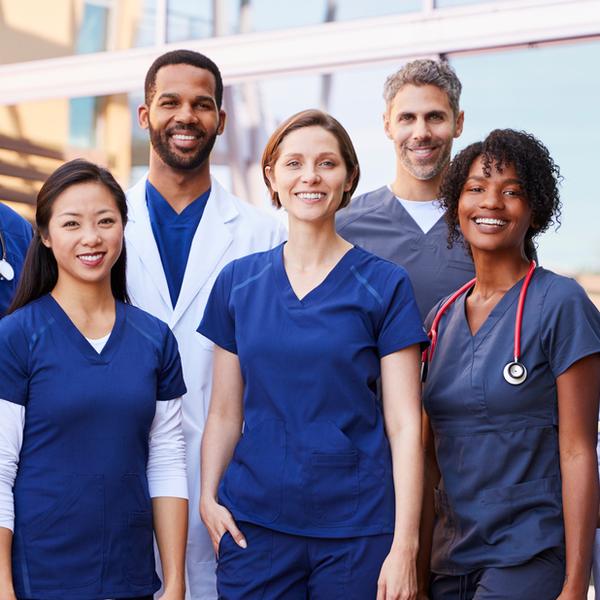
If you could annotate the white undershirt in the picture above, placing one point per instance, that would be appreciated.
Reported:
(425, 213)
(166, 470)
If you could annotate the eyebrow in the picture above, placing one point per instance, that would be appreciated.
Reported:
(480, 178)
(76, 214)
(174, 96)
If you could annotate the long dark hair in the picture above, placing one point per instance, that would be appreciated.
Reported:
(40, 271)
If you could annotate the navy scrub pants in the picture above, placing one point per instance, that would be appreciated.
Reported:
(280, 565)
(541, 578)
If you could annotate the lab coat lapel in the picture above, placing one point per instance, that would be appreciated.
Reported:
(139, 235)
(211, 241)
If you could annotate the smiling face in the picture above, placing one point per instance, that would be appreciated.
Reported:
(85, 234)
(493, 211)
(183, 118)
(309, 174)
(422, 125)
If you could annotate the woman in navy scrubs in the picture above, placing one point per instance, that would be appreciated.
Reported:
(511, 454)
(90, 392)
(310, 485)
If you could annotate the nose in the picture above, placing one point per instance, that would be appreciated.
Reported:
(91, 236)
(186, 113)
(421, 129)
(310, 175)
(491, 199)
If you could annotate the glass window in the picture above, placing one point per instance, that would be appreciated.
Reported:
(550, 92)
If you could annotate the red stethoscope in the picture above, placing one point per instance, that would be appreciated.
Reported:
(514, 372)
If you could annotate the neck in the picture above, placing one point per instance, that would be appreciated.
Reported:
(312, 244)
(409, 188)
(82, 297)
(497, 272)
(178, 187)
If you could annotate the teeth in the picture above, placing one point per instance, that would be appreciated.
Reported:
(311, 196)
(180, 136)
(90, 257)
(489, 221)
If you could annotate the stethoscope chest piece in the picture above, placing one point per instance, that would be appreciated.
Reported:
(6, 271)
(515, 373)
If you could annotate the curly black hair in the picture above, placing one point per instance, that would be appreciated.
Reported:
(539, 174)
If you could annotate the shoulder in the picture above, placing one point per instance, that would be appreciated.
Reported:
(557, 289)
(362, 206)
(14, 223)
(146, 324)
(24, 324)
(382, 274)
(252, 264)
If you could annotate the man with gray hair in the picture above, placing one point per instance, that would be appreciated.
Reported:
(403, 222)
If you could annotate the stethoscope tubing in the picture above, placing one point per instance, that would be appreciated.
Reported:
(433, 331)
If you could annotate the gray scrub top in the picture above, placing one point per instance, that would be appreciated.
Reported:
(499, 500)
(379, 223)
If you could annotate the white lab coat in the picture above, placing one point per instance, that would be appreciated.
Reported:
(229, 228)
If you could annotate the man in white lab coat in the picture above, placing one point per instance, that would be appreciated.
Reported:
(183, 228)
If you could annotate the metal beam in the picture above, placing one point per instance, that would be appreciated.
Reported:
(316, 49)
(30, 173)
(12, 195)
(24, 146)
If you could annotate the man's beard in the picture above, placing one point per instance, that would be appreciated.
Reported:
(180, 161)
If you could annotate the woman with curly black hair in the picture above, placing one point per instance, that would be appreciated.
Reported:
(512, 393)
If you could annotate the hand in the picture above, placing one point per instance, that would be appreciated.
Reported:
(218, 520)
(568, 595)
(398, 577)
(170, 593)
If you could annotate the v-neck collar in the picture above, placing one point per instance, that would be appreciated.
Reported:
(406, 216)
(320, 291)
(78, 339)
(496, 314)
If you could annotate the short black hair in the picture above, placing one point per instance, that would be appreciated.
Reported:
(539, 174)
(182, 57)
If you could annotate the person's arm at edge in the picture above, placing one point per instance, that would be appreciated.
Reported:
(578, 392)
(221, 433)
(167, 483)
(6, 582)
(170, 528)
(401, 391)
(431, 479)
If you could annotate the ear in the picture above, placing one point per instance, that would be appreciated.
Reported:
(386, 123)
(143, 116)
(222, 120)
(460, 121)
(350, 181)
(271, 177)
(45, 240)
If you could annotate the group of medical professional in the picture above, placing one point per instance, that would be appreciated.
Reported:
(196, 403)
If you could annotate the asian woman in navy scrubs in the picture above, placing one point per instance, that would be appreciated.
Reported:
(90, 392)
(512, 459)
(310, 485)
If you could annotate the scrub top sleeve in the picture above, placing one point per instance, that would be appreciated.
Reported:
(14, 357)
(570, 325)
(170, 380)
(218, 323)
(401, 325)
(431, 316)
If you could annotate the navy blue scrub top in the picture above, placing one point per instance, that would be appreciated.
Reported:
(17, 234)
(499, 501)
(313, 459)
(174, 233)
(83, 515)
(379, 223)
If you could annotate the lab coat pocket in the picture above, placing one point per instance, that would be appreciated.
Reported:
(139, 561)
(63, 546)
(333, 485)
(254, 479)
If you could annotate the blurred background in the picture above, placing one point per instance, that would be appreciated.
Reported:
(71, 78)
